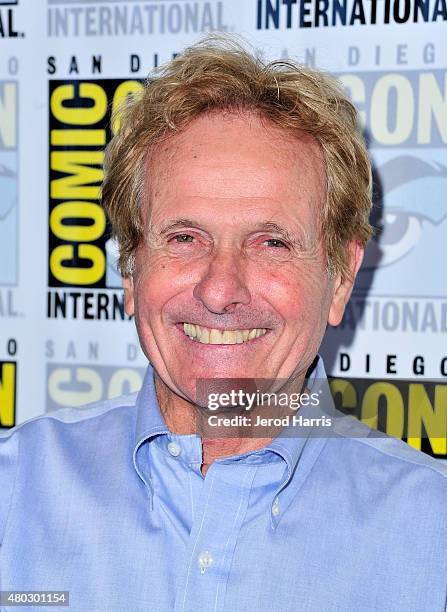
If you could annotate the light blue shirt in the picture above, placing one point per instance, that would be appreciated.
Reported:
(106, 503)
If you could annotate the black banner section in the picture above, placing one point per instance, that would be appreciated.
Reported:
(79, 123)
(413, 410)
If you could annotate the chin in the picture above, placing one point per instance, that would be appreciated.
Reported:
(227, 372)
(225, 380)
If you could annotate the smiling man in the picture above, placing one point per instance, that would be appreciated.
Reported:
(230, 274)
(239, 194)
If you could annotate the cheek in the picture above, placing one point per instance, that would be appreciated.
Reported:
(296, 295)
(158, 279)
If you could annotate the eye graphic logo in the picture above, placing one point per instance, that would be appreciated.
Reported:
(8, 183)
(410, 242)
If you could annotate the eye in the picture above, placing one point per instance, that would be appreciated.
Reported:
(275, 242)
(181, 238)
(400, 233)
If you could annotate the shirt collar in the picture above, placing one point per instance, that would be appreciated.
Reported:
(149, 423)
(292, 440)
(289, 444)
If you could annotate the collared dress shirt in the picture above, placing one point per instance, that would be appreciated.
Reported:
(106, 503)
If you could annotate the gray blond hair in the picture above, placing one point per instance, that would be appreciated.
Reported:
(216, 74)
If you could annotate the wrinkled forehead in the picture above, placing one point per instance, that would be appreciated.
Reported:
(236, 156)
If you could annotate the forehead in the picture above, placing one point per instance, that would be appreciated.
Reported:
(235, 158)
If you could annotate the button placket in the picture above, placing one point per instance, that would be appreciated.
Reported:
(213, 538)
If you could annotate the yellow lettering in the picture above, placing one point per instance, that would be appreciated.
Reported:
(394, 407)
(86, 115)
(434, 419)
(71, 138)
(346, 390)
(7, 394)
(71, 275)
(81, 174)
(77, 210)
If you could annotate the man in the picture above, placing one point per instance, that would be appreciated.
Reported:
(239, 194)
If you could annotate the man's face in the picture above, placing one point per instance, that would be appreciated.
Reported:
(231, 246)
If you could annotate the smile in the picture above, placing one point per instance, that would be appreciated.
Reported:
(207, 335)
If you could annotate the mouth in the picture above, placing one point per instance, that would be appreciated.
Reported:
(210, 335)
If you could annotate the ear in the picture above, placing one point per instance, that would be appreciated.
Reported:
(129, 305)
(343, 288)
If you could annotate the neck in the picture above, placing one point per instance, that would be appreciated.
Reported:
(183, 417)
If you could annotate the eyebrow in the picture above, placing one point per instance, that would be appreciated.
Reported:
(274, 227)
(173, 224)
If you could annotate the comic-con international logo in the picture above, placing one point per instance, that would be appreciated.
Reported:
(8, 183)
(8, 14)
(134, 17)
(81, 254)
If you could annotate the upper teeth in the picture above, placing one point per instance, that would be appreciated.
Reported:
(207, 335)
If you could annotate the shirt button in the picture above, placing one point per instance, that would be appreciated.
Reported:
(205, 561)
(275, 508)
(174, 449)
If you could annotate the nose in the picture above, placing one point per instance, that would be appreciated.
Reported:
(222, 287)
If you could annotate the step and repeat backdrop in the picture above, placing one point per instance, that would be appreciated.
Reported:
(65, 64)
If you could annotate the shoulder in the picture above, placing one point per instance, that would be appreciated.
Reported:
(400, 455)
(380, 464)
(67, 420)
(44, 449)
(79, 429)
(387, 448)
